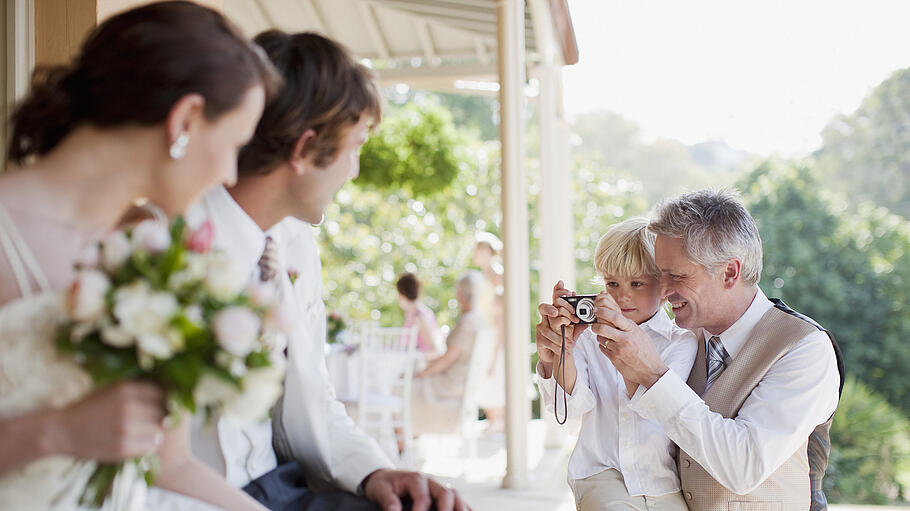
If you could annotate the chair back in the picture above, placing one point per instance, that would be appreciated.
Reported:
(386, 370)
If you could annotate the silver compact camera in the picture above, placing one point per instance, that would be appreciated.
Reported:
(584, 307)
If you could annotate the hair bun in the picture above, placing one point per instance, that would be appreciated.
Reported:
(54, 105)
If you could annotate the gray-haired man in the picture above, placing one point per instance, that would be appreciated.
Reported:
(752, 423)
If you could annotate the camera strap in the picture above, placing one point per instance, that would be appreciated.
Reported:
(561, 366)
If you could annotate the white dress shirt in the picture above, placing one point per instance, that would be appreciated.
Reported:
(322, 435)
(612, 435)
(799, 392)
(324, 439)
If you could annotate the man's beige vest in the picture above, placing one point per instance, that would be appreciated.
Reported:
(788, 488)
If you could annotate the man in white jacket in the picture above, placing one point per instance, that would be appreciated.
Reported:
(305, 148)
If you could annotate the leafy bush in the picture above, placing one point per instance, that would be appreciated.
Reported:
(870, 455)
(415, 148)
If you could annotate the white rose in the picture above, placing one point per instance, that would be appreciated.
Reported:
(237, 368)
(237, 330)
(115, 250)
(113, 335)
(212, 390)
(84, 300)
(261, 389)
(223, 279)
(195, 271)
(152, 236)
(156, 345)
(194, 314)
(142, 311)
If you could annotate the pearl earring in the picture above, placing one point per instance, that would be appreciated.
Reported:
(178, 148)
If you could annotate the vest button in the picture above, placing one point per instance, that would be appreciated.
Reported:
(688, 495)
(686, 463)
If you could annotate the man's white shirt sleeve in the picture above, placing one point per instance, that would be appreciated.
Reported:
(799, 392)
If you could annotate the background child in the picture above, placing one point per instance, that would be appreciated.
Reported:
(621, 461)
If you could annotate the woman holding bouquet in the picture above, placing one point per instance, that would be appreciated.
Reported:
(155, 106)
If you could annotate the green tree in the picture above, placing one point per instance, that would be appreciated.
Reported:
(846, 267)
(415, 148)
(866, 154)
(870, 456)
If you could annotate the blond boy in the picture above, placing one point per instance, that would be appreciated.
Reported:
(621, 461)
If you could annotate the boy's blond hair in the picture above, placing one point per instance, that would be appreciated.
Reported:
(627, 249)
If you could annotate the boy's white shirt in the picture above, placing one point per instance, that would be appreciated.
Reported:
(612, 435)
(323, 437)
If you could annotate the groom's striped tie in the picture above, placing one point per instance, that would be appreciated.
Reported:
(717, 358)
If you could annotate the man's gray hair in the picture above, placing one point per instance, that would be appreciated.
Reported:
(470, 285)
(715, 228)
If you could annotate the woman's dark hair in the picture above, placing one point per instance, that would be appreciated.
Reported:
(408, 286)
(133, 68)
(325, 90)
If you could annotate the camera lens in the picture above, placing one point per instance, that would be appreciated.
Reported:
(585, 310)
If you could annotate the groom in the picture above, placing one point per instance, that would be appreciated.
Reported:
(305, 148)
(752, 420)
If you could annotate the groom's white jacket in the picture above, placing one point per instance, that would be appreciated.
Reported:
(322, 436)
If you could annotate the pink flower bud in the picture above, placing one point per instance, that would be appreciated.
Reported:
(200, 240)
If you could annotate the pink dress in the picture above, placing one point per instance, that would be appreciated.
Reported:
(410, 319)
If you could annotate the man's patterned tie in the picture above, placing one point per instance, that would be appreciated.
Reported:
(717, 358)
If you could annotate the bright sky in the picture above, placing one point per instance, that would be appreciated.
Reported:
(765, 76)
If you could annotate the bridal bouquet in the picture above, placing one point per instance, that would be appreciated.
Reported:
(157, 303)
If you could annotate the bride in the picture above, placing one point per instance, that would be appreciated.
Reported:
(155, 106)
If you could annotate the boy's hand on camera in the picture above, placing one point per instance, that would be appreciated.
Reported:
(548, 331)
(567, 314)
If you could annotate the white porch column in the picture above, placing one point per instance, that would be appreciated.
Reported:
(557, 260)
(511, 31)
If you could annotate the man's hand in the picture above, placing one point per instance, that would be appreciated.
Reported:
(548, 331)
(626, 345)
(386, 487)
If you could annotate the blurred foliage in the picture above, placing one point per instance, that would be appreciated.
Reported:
(870, 462)
(415, 148)
(866, 154)
(845, 265)
(372, 234)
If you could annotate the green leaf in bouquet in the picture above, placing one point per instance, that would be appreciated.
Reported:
(100, 484)
(64, 339)
(179, 375)
(169, 262)
(177, 228)
(196, 337)
(149, 466)
(142, 263)
(104, 363)
(258, 359)
(185, 398)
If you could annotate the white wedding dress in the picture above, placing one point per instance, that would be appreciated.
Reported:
(35, 376)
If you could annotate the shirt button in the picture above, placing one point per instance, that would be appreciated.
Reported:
(686, 463)
(688, 495)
